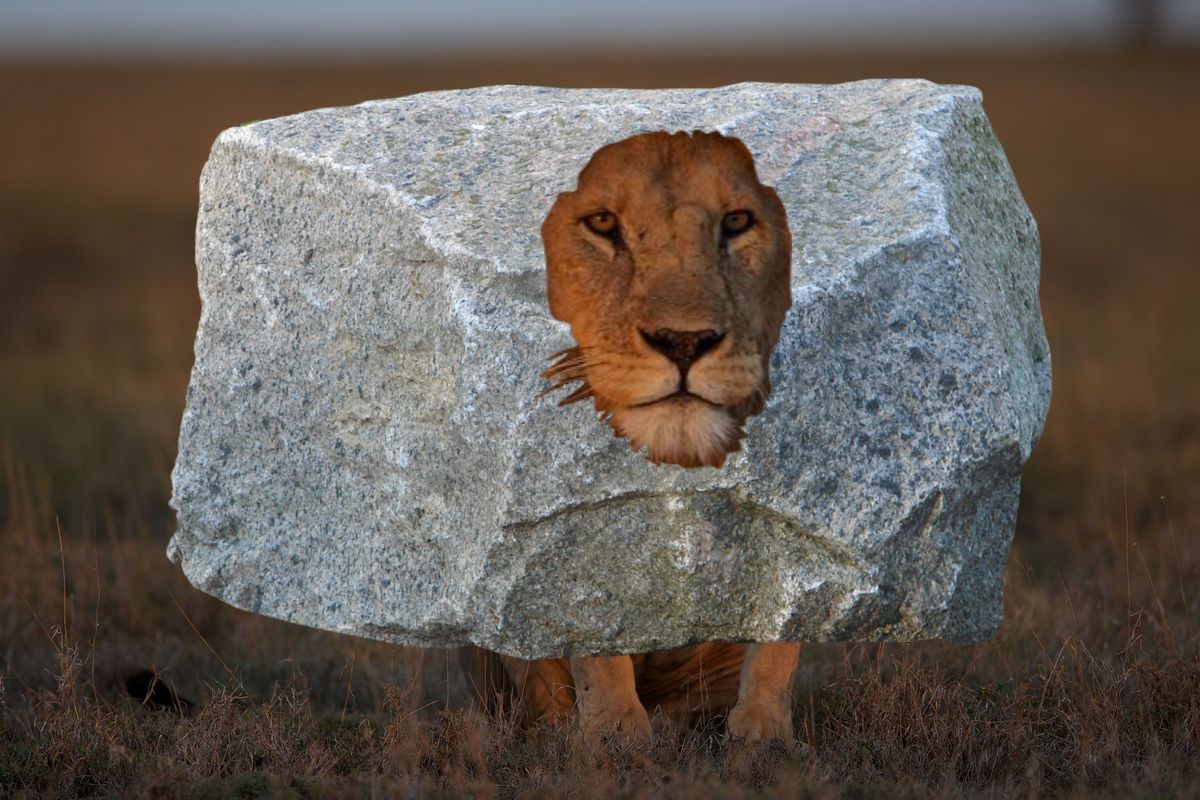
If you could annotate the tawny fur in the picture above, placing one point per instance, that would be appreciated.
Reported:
(687, 684)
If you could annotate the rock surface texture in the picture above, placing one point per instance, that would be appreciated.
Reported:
(362, 449)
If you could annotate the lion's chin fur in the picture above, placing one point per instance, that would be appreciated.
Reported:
(690, 433)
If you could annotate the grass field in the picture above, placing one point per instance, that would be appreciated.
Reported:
(1092, 687)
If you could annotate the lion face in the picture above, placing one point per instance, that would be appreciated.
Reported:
(672, 265)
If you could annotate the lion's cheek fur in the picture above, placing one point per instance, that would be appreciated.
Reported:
(689, 433)
(621, 381)
(726, 381)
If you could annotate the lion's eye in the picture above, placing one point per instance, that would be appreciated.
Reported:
(602, 223)
(736, 222)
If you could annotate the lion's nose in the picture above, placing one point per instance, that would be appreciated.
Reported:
(682, 347)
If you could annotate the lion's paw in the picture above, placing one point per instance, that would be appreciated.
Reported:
(760, 722)
(626, 721)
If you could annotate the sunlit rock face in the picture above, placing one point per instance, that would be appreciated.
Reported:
(363, 449)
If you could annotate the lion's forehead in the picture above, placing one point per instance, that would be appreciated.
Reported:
(670, 184)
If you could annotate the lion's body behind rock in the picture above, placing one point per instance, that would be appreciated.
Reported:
(687, 684)
(672, 264)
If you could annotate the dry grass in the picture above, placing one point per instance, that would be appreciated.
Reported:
(1091, 688)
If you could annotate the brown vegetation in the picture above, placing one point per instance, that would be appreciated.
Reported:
(1091, 687)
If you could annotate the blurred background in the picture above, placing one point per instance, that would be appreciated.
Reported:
(107, 111)
(109, 108)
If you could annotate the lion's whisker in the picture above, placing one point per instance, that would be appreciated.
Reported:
(582, 393)
(578, 350)
(569, 371)
(554, 388)
(566, 375)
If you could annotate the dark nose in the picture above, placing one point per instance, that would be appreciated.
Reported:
(682, 347)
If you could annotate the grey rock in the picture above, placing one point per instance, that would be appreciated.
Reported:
(362, 450)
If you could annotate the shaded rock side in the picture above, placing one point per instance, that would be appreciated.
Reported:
(362, 450)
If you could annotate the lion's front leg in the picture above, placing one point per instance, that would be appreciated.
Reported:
(764, 706)
(606, 698)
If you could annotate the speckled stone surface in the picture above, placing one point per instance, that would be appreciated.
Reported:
(362, 449)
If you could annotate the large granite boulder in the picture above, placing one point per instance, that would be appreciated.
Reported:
(362, 449)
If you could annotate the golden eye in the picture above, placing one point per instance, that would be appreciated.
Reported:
(602, 223)
(736, 222)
